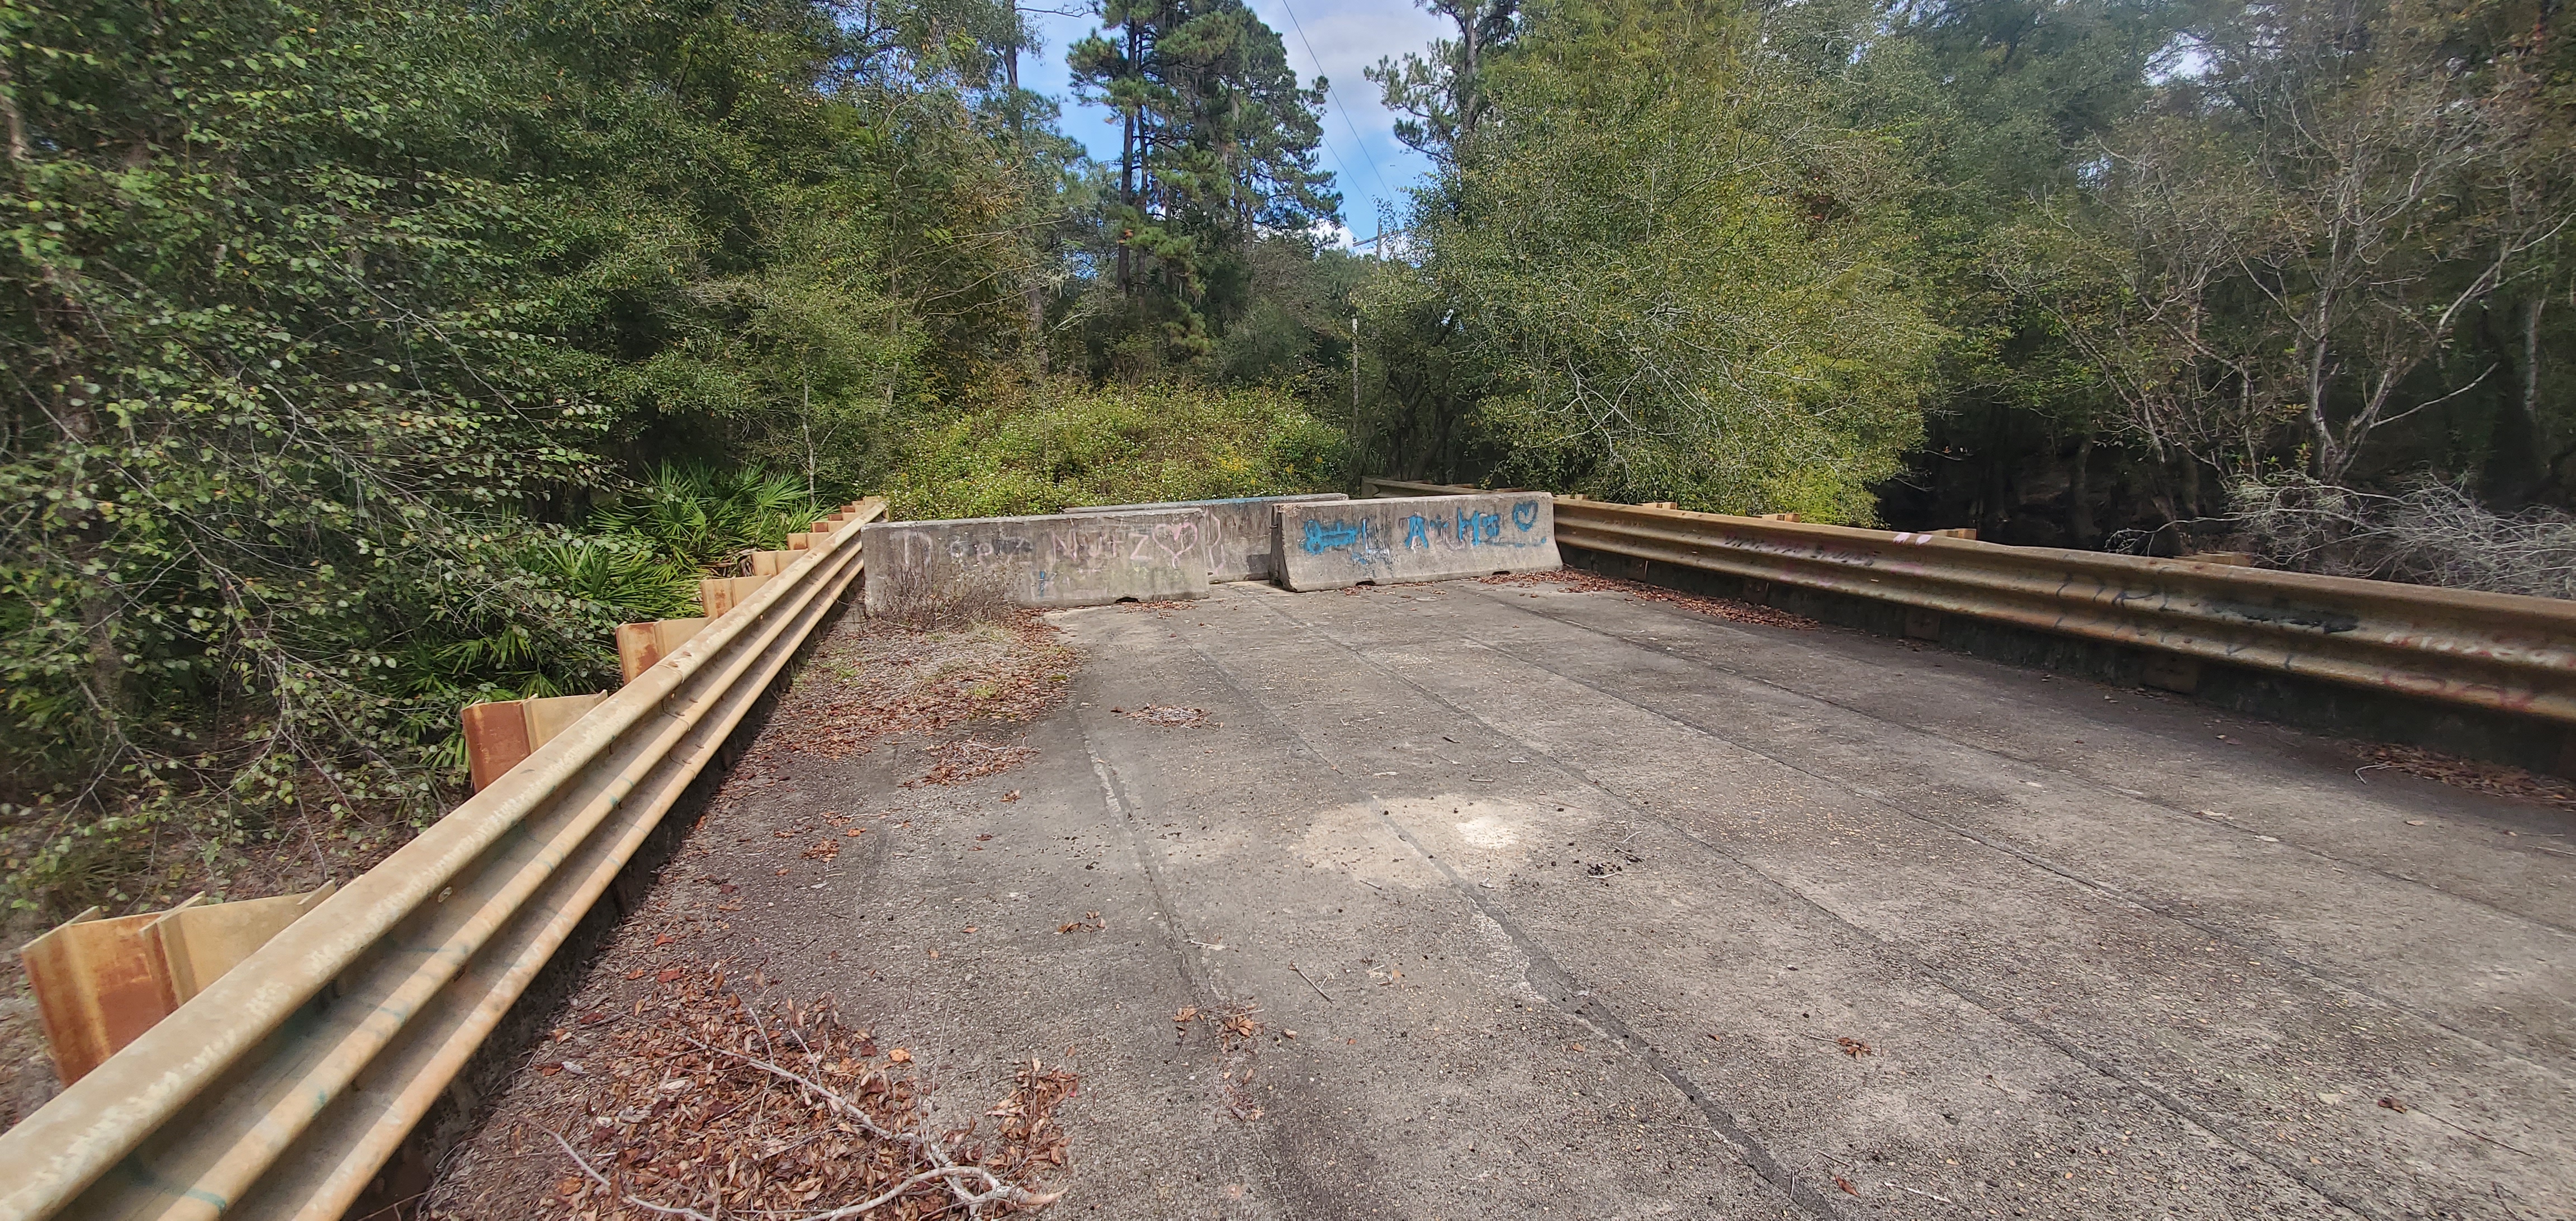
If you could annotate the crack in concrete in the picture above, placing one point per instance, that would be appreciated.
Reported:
(2316, 974)
(2033, 764)
(1553, 982)
(1904, 961)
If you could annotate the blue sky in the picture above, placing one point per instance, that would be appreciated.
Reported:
(1369, 166)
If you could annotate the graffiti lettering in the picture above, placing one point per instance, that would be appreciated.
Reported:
(1321, 538)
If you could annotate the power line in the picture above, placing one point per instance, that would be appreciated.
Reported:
(1387, 192)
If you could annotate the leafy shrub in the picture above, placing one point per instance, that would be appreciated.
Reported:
(1041, 448)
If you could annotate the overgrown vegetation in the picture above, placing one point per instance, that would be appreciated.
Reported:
(1037, 450)
(363, 360)
(2429, 534)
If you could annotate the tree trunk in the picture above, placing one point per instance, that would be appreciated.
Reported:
(2079, 495)
(1033, 295)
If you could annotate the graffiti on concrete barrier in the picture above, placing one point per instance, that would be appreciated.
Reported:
(1364, 539)
(1321, 538)
(1058, 558)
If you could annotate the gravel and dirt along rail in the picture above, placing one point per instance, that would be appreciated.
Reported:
(1536, 897)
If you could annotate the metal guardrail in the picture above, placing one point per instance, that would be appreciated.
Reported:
(2502, 652)
(281, 1089)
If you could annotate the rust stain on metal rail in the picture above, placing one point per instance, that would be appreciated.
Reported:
(2503, 652)
(264, 1097)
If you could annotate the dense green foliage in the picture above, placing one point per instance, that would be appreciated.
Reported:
(364, 360)
(1043, 448)
(2196, 246)
(1664, 274)
(347, 344)
(2117, 255)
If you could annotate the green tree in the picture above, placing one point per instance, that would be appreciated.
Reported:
(334, 331)
(1441, 91)
(1217, 149)
(1665, 275)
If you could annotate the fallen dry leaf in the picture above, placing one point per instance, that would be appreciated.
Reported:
(1845, 1184)
(702, 1123)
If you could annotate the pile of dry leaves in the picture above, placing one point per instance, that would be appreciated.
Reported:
(1165, 714)
(1580, 581)
(877, 679)
(2495, 778)
(969, 759)
(704, 1106)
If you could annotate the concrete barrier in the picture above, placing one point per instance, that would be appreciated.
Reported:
(1238, 542)
(1073, 559)
(1416, 538)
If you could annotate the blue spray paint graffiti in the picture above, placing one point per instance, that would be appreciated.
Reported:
(1478, 528)
(1321, 538)
(1525, 515)
(1413, 533)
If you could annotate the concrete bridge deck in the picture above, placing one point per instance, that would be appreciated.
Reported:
(1581, 905)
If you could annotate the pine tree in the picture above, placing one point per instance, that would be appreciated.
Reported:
(1217, 147)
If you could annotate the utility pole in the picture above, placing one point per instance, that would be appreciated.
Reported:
(1359, 457)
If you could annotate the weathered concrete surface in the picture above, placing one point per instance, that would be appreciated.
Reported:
(1568, 899)
(1060, 560)
(1415, 538)
(1238, 541)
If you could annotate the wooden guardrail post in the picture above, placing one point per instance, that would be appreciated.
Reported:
(639, 645)
(100, 984)
(720, 594)
(499, 734)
